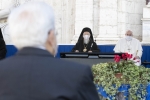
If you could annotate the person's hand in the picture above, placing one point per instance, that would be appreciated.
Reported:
(76, 50)
(89, 51)
(137, 57)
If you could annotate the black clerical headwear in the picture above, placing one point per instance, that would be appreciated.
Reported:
(1, 35)
(86, 29)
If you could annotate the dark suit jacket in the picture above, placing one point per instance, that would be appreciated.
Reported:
(33, 74)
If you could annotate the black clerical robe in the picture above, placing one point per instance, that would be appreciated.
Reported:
(91, 46)
(2, 49)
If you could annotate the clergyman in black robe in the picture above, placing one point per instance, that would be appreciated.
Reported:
(86, 42)
(3, 49)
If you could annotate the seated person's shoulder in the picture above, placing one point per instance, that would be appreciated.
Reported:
(94, 42)
(136, 40)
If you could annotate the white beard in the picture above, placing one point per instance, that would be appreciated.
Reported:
(86, 41)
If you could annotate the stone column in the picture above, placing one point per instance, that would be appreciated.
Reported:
(146, 25)
(96, 11)
(64, 18)
(68, 11)
(83, 17)
(107, 21)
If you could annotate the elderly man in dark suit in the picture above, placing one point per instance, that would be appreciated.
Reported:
(147, 1)
(33, 73)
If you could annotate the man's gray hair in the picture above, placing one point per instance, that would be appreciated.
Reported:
(129, 31)
(30, 23)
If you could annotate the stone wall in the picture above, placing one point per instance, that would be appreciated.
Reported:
(108, 19)
(146, 25)
(65, 18)
(108, 25)
(83, 16)
(133, 15)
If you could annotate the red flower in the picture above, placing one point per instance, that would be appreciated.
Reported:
(117, 58)
(129, 56)
(126, 56)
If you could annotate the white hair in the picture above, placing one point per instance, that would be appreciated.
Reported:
(30, 23)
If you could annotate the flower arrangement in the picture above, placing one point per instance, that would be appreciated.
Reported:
(137, 77)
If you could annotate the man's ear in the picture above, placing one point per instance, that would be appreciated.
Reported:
(51, 37)
(51, 43)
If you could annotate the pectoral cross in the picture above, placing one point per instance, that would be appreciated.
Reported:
(129, 49)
